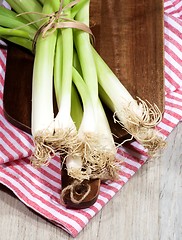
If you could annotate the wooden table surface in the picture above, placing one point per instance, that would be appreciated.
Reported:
(148, 206)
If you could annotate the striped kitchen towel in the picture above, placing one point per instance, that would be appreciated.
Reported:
(40, 188)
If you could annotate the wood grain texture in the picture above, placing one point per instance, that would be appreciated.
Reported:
(148, 206)
(129, 36)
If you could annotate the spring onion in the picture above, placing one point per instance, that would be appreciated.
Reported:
(97, 145)
(138, 118)
(14, 32)
(14, 24)
(42, 123)
(24, 42)
(30, 8)
(67, 56)
(11, 15)
(18, 9)
(65, 128)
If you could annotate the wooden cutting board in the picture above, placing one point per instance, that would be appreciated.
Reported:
(129, 37)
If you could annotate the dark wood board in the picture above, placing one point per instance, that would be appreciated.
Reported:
(129, 37)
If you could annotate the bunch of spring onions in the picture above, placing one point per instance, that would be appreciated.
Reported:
(58, 33)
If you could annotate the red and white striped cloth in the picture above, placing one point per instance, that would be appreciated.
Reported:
(40, 188)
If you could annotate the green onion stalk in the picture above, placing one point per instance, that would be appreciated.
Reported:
(65, 128)
(14, 32)
(29, 10)
(97, 145)
(60, 135)
(15, 23)
(42, 122)
(19, 41)
(12, 15)
(137, 117)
